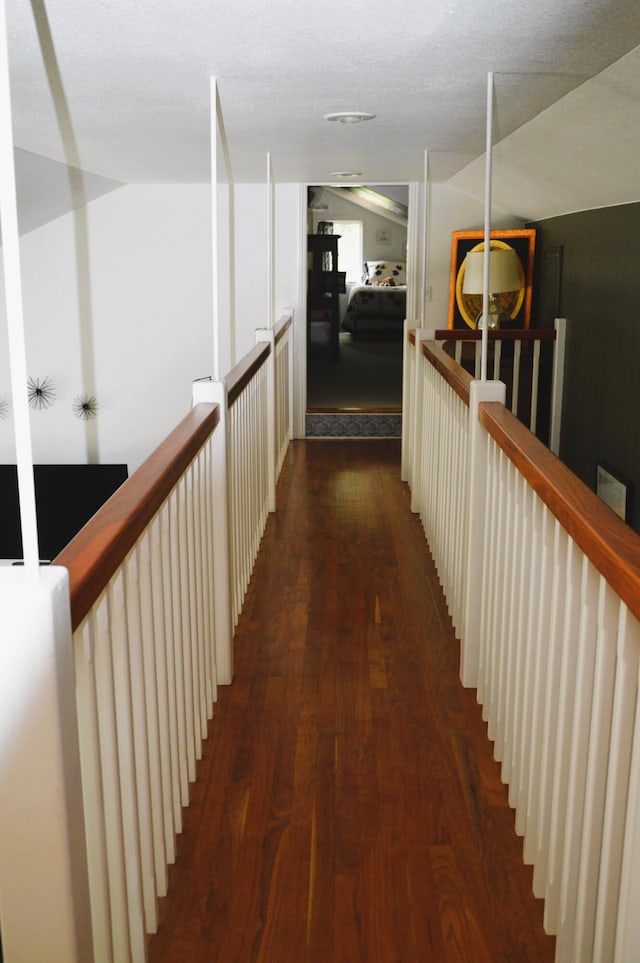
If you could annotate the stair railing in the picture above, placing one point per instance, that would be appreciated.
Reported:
(111, 661)
(542, 582)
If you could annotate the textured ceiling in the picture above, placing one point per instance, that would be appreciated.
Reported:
(120, 88)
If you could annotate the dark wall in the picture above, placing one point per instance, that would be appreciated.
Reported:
(599, 294)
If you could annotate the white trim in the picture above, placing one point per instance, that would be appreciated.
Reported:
(487, 228)
(414, 310)
(15, 314)
(300, 328)
(215, 278)
(270, 306)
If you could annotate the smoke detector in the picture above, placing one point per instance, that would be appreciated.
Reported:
(349, 116)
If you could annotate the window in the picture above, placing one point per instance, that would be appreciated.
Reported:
(350, 248)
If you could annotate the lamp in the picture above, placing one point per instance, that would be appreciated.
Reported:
(504, 275)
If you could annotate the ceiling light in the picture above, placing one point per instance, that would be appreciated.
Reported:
(349, 116)
(346, 174)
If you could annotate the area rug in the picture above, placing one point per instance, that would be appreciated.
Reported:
(361, 424)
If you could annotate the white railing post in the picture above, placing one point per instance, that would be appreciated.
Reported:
(408, 413)
(557, 384)
(215, 392)
(407, 456)
(287, 399)
(288, 313)
(415, 402)
(267, 335)
(422, 334)
(477, 483)
(45, 912)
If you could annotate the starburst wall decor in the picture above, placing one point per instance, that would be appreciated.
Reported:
(41, 393)
(4, 408)
(85, 407)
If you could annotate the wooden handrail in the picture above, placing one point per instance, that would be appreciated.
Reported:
(501, 334)
(240, 375)
(281, 327)
(455, 376)
(99, 548)
(411, 335)
(612, 546)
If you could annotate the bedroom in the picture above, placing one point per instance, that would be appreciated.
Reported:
(356, 297)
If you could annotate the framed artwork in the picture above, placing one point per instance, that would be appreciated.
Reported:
(464, 309)
(383, 236)
(614, 490)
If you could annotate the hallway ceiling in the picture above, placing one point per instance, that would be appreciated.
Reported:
(120, 89)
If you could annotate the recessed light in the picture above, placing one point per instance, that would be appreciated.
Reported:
(346, 174)
(349, 116)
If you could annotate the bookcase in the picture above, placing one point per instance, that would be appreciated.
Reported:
(324, 283)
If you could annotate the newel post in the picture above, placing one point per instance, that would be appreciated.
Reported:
(480, 391)
(45, 911)
(215, 392)
(262, 335)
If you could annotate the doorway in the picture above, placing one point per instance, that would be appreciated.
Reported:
(356, 298)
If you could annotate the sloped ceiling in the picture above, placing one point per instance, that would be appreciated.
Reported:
(121, 90)
(580, 153)
(376, 200)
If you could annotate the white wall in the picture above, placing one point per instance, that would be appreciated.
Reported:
(146, 269)
(140, 276)
(251, 259)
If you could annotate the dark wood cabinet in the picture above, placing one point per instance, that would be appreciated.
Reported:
(324, 285)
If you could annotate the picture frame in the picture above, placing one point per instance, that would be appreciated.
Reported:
(383, 236)
(463, 310)
(614, 490)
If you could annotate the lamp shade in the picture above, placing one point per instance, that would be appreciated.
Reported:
(504, 273)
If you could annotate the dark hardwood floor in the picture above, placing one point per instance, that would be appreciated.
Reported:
(348, 809)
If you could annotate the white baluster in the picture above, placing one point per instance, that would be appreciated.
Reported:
(570, 654)
(530, 648)
(599, 736)
(526, 594)
(167, 737)
(95, 806)
(517, 350)
(497, 355)
(176, 661)
(535, 377)
(544, 573)
(553, 696)
(128, 651)
(118, 642)
(618, 785)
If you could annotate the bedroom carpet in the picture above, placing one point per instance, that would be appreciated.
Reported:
(368, 376)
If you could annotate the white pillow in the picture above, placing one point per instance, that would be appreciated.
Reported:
(377, 270)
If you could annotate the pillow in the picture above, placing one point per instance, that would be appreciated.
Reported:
(376, 270)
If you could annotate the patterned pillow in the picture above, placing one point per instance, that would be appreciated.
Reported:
(377, 270)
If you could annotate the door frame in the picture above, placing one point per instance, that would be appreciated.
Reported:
(415, 260)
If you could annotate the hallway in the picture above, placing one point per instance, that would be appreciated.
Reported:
(348, 808)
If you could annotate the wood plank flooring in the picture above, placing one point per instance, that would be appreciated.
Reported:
(348, 808)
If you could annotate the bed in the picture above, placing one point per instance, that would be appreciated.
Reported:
(379, 303)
